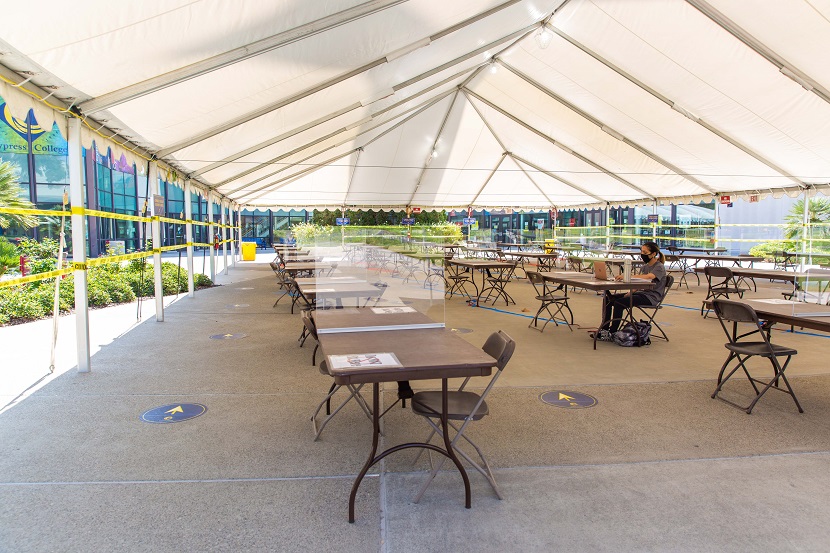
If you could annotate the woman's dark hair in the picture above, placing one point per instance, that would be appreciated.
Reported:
(654, 248)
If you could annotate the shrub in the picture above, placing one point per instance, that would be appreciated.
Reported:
(767, 250)
(9, 256)
(18, 306)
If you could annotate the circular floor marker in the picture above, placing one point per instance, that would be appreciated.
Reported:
(175, 412)
(246, 288)
(228, 336)
(461, 330)
(568, 400)
(237, 305)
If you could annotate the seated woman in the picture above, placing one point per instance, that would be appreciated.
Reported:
(653, 269)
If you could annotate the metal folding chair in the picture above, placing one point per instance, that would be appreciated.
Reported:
(546, 294)
(742, 349)
(495, 284)
(650, 311)
(463, 406)
(721, 283)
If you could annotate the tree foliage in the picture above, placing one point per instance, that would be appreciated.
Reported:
(10, 198)
(818, 214)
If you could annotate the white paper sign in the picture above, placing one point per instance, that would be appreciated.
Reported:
(362, 361)
(391, 310)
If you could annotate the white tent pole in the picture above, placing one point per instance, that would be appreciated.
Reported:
(806, 230)
(76, 196)
(665, 163)
(717, 220)
(155, 227)
(607, 226)
(332, 82)
(417, 109)
(431, 150)
(560, 145)
(290, 36)
(188, 229)
(239, 230)
(231, 234)
(762, 50)
(351, 177)
(276, 185)
(211, 233)
(654, 225)
(504, 148)
(557, 177)
(675, 106)
(222, 211)
(489, 177)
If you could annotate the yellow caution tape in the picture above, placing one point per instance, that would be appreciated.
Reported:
(117, 258)
(35, 278)
(21, 211)
(170, 220)
(169, 248)
(108, 215)
(205, 244)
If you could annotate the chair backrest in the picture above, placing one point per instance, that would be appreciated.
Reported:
(723, 273)
(669, 284)
(735, 311)
(500, 346)
(718, 272)
(308, 322)
(537, 281)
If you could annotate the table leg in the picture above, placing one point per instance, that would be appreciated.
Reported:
(371, 460)
(374, 458)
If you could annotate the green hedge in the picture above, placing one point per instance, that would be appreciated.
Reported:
(106, 285)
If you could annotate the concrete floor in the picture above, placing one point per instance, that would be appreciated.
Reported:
(656, 465)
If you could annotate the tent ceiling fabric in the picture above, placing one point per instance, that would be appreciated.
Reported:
(388, 103)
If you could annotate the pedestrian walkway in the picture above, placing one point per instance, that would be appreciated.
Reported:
(656, 465)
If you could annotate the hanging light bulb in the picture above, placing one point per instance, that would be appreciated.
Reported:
(543, 37)
(494, 67)
(434, 153)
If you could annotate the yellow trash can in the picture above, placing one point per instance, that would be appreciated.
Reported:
(248, 251)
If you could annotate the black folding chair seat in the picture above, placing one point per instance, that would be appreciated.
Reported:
(742, 350)
(463, 406)
(761, 349)
(460, 405)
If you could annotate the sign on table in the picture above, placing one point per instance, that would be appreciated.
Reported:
(342, 221)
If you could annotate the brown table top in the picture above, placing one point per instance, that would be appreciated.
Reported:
(598, 285)
(366, 318)
(328, 280)
(425, 353)
(298, 259)
(482, 263)
(339, 290)
(297, 267)
(772, 274)
(793, 313)
(706, 257)
(539, 255)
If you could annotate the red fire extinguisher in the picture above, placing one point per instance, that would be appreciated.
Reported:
(216, 242)
(23, 261)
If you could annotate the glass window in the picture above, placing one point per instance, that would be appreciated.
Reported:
(51, 169)
(21, 163)
(51, 193)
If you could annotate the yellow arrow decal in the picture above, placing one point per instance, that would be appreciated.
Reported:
(565, 397)
(176, 410)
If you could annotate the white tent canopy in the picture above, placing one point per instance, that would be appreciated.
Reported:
(483, 103)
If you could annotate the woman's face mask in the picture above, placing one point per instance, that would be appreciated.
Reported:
(646, 257)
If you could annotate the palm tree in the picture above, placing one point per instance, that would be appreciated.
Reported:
(819, 212)
(10, 198)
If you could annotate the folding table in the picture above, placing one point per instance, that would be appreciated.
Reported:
(424, 353)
